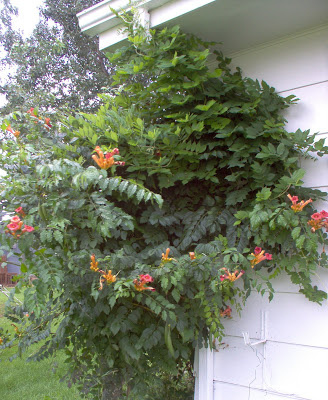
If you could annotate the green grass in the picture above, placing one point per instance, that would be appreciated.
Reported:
(20, 380)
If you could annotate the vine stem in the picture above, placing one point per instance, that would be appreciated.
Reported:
(145, 308)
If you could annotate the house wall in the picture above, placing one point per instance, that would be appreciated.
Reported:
(13, 264)
(292, 362)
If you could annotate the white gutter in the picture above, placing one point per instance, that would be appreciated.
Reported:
(100, 19)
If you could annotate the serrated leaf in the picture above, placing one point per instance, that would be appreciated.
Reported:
(175, 59)
(58, 236)
(176, 295)
(164, 315)
(296, 232)
(131, 190)
(91, 174)
(113, 136)
(263, 195)
(123, 186)
(164, 282)
(300, 241)
(272, 224)
(94, 139)
(216, 73)
(147, 196)
(226, 259)
(282, 221)
(298, 175)
(199, 126)
(158, 198)
(238, 196)
(205, 107)
(241, 215)
(257, 218)
(140, 194)
(280, 149)
(113, 183)
(43, 236)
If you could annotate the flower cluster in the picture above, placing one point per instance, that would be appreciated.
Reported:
(140, 283)
(105, 161)
(319, 220)
(231, 276)
(47, 124)
(33, 113)
(108, 277)
(15, 133)
(226, 312)
(259, 256)
(192, 255)
(297, 207)
(165, 257)
(105, 276)
(15, 227)
(94, 263)
(20, 211)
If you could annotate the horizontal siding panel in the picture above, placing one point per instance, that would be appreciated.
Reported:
(316, 172)
(285, 315)
(250, 319)
(294, 319)
(321, 277)
(282, 283)
(236, 363)
(296, 370)
(321, 205)
(293, 371)
(311, 111)
(290, 63)
(287, 305)
(226, 391)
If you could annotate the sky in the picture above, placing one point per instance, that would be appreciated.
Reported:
(28, 14)
(26, 20)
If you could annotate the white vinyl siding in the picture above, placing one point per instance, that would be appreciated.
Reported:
(293, 361)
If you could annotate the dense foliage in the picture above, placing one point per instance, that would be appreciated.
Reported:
(7, 33)
(136, 264)
(57, 66)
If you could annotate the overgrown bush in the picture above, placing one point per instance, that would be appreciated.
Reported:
(136, 264)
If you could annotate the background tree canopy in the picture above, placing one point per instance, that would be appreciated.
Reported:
(57, 67)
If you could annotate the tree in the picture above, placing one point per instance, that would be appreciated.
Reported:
(136, 264)
(7, 34)
(57, 66)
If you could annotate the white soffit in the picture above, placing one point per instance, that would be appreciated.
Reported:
(101, 20)
(238, 24)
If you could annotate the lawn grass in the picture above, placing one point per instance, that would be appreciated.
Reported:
(20, 380)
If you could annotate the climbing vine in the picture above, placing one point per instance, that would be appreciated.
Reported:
(149, 222)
